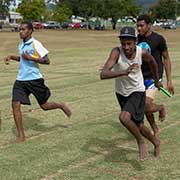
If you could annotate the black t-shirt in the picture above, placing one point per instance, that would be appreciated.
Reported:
(157, 44)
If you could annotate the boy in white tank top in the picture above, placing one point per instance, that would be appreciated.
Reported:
(124, 64)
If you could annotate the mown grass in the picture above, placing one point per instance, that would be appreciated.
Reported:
(92, 144)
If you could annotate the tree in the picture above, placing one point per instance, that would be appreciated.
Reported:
(32, 10)
(54, 1)
(61, 13)
(113, 9)
(4, 6)
(165, 9)
(132, 8)
(116, 9)
(177, 8)
(84, 8)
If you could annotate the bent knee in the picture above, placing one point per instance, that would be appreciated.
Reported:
(124, 117)
(149, 102)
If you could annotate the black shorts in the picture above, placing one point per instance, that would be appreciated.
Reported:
(22, 90)
(134, 104)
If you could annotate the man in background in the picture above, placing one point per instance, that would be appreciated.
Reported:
(156, 44)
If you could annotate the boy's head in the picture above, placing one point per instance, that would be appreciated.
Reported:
(143, 24)
(26, 29)
(144, 18)
(128, 40)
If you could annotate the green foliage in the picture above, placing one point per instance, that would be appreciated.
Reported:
(120, 8)
(132, 8)
(4, 6)
(178, 8)
(61, 13)
(87, 8)
(165, 9)
(48, 15)
(32, 10)
(114, 9)
(74, 6)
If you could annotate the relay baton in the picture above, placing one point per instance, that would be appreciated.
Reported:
(166, 92)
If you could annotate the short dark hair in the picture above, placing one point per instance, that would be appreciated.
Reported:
(29, 25)
(144, 17)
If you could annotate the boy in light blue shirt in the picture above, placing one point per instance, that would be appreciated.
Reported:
(29, 70)
(29, 79)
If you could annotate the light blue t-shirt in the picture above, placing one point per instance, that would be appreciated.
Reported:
(29, 70)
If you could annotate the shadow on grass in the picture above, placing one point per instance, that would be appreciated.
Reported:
(115, 150)
(113, 153)
(117, 126)
(36, 125)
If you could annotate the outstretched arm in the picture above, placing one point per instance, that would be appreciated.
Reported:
(167, 66)
(11, 57)
(40, 60)
(106, 72)
(153, 66)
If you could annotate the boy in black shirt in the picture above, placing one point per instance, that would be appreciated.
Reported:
(156, 45)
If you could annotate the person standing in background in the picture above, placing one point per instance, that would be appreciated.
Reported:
(156, 44)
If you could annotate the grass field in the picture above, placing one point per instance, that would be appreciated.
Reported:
(92, 145)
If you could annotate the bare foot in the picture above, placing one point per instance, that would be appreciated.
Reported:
(162, 113)
(66, 110)
(143, 153)
(20, 139)
(157, 149)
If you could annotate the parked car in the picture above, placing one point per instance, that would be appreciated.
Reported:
(178, 23)
(83, 24)
(99, 27)
(170, 25)
(74, 25)
(38, 25)
(52, 25)
(9, 27)
(65, 25)
(45, 25)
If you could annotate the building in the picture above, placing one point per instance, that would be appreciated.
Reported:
(12, 18)
(4, 19)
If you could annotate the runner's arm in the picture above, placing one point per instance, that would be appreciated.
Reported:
(153, 66)
(167, 66)
(11, 57)
(106, 72)
(40, 60)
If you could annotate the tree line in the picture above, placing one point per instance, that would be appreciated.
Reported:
(35, 10)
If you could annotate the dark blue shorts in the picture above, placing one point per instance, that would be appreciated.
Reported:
(22, 90)
(134, 104)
